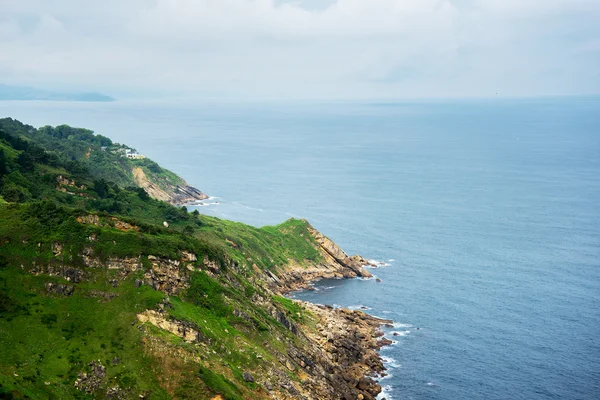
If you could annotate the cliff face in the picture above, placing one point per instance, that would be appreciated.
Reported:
(173, 193)
(335, 264)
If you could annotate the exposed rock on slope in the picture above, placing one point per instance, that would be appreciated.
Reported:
(345, 346)
(336, 265)
(171, 193)
(182, 329)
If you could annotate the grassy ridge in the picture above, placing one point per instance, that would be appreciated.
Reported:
(99, 156)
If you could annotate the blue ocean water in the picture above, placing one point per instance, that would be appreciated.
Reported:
(486, 213)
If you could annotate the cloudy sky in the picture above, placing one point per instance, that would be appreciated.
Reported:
(303, 48)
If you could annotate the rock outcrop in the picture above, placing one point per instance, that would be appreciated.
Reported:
(166, 275)
(337, 360)
(345, 347)
(93, 379)
(170, 193)
(179, 328)
(336, 264)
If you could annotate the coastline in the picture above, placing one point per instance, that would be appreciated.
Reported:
(344, 343)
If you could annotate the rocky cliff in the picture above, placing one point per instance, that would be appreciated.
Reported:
(335, 264)
(173, 193)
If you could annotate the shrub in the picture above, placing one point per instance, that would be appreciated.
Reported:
(207, 292)
(220, 384)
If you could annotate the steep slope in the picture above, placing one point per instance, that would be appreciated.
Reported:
(100, 299)
(105, 160)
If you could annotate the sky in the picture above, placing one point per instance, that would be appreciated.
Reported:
(321, 49)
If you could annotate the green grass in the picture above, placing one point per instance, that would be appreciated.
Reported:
(47, 340)
(268, 247)
(294, 310)
(219, 384)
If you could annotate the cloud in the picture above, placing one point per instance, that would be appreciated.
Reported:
(333, 49)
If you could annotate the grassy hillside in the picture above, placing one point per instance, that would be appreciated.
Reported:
(90, 155)
(108, 293)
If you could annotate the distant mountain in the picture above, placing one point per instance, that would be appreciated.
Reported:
(8, 92)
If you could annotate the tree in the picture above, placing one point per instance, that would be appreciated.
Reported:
(142, 194)
(101, 187)
(13, 193)
(188, 231)
(26, 161)
(3, 167)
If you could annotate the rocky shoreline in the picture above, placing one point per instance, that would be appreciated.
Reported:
(333, 353)
(336, 264)
(346, 343)
(349, 342)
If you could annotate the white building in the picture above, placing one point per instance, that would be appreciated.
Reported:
(133, 155)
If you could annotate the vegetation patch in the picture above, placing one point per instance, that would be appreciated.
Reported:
(219, 384)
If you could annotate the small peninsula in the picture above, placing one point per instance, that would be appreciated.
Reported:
(110, 289)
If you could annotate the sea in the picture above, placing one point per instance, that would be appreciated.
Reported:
(483, 216)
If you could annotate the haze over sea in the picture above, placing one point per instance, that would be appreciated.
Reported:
(486, 213)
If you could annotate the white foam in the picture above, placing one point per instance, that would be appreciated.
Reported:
(390, 362)
(398, 325)
(387, 376)
(206, 204)
(400, 333)
(377, 264)
(359, 307)
(385, 393)
(391, 260)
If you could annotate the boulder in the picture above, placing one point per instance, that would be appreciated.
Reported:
(248, 377)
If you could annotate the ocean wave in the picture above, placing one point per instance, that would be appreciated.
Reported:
(399, 325)
(206, 204)
(368, 278)
(385, 393)
(390, 362)
(378, 264)
(400, 333)
(385, 376)
(359, 307)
